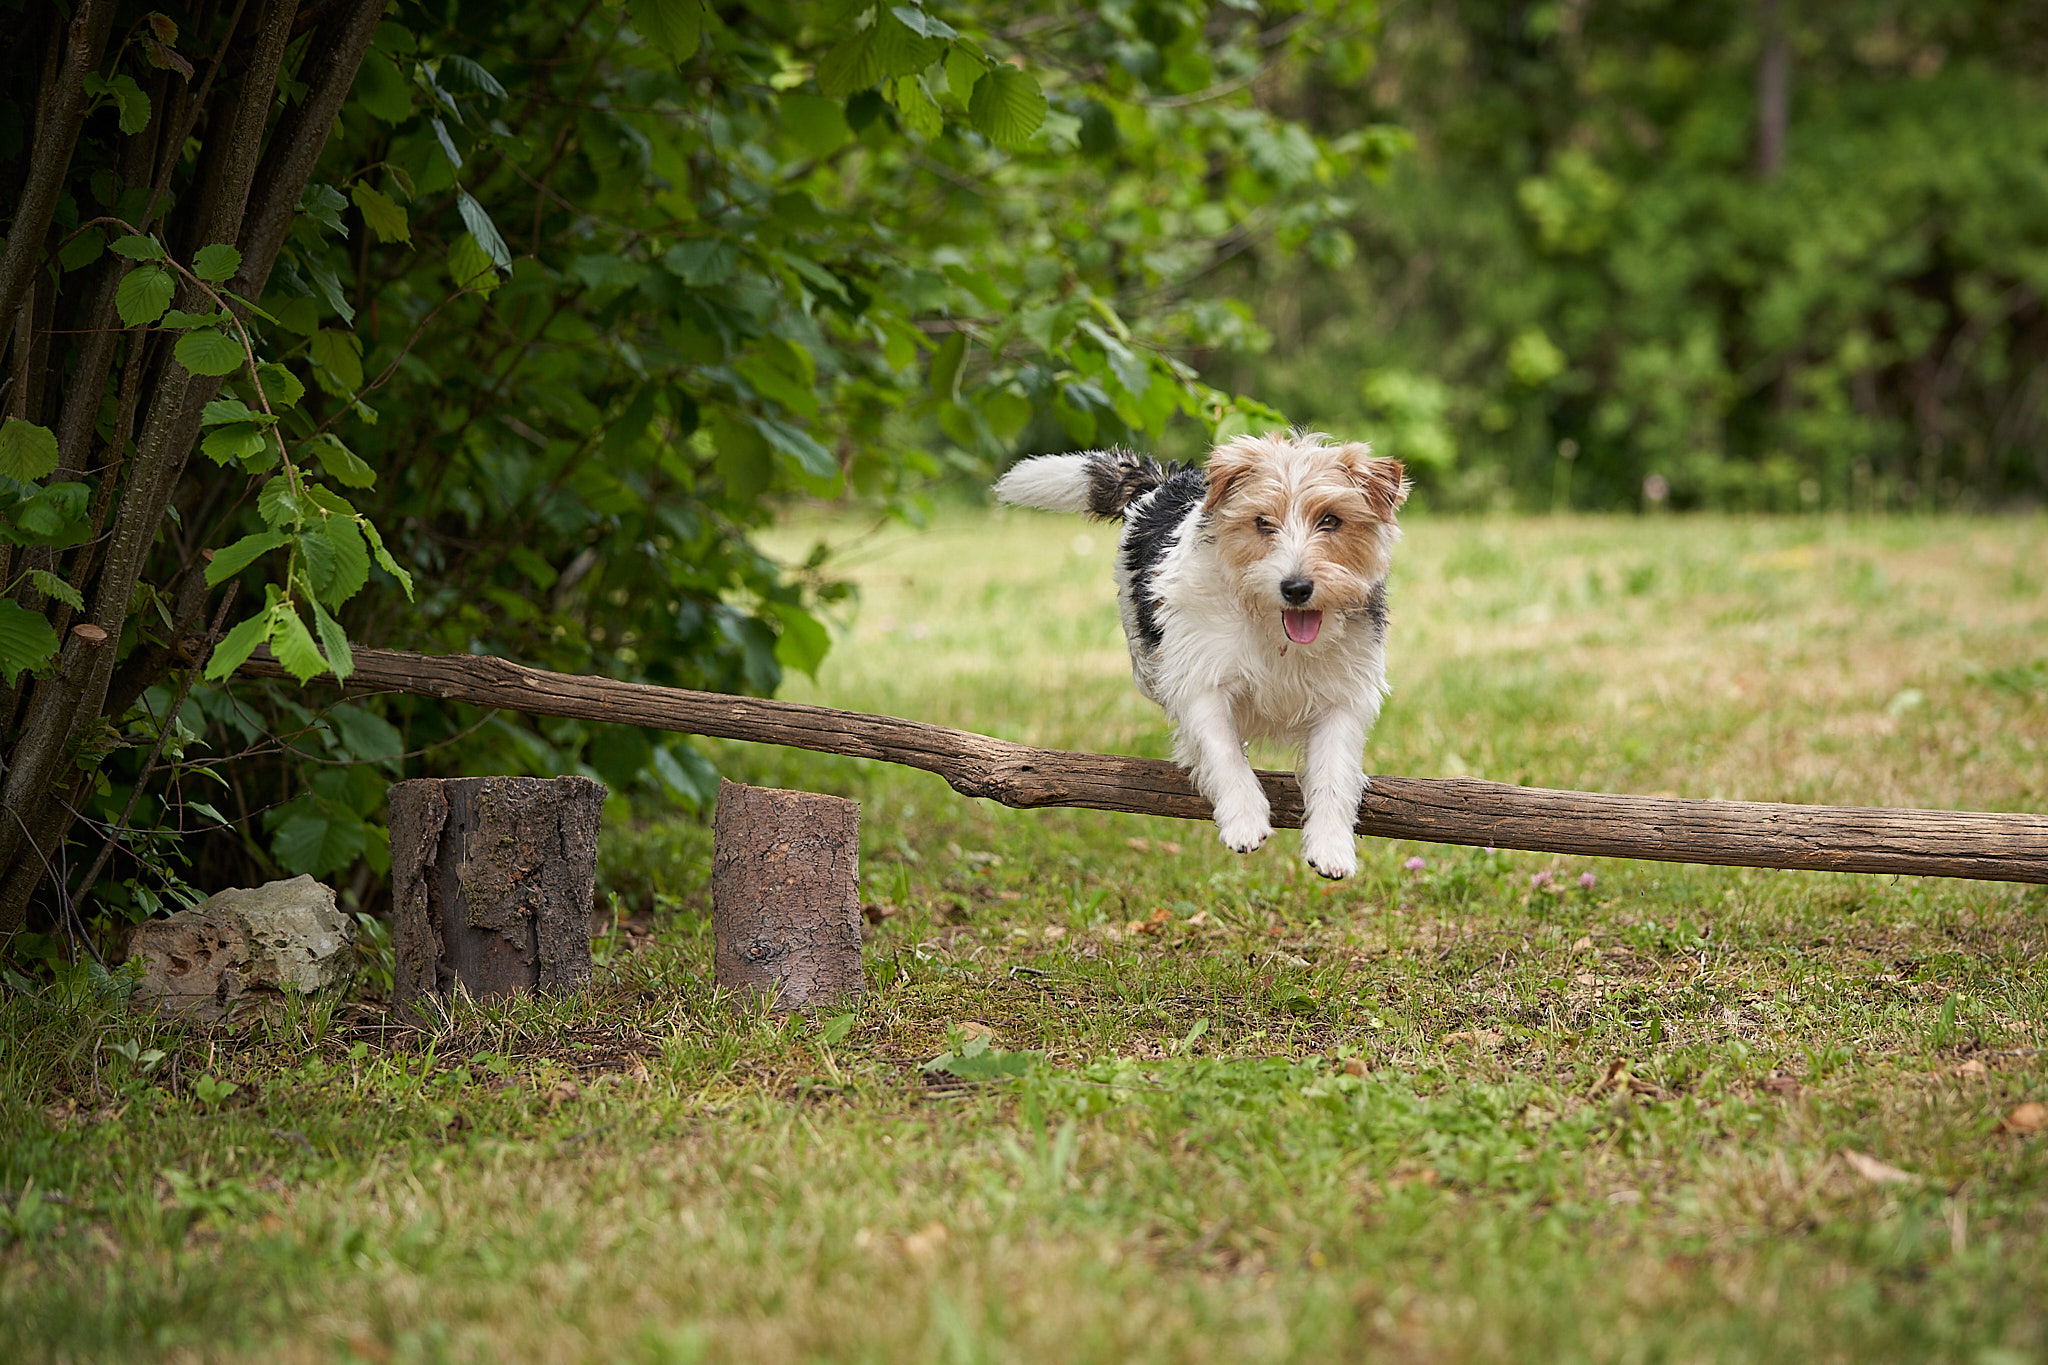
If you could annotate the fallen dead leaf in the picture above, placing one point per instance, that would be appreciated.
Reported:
(1584, 945)
(1484, 1038)
(561, 1092)
(1152, 925)
(1198, 919)
(1140, 845)
(1974, 1068)
(974, 1028)
(926, 1241)
(1778, 1083)
(1168, 846)
(1354, 1066)
(2031, 1117)
(1054, 933)
(1877, 1172)
(874, 912)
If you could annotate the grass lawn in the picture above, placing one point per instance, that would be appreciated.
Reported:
(1485, 1106)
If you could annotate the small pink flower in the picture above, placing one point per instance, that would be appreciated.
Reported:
(1416, 864)
(1490, 849)
(1586, 881)
(1540, 881)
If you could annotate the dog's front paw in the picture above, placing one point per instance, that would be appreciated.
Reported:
(1243, 825)
(1332, 853)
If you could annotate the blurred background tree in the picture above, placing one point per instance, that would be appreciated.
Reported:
(1764, 254)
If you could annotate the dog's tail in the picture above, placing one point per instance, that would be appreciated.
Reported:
(1101, 483)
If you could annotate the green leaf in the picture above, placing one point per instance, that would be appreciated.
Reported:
(947, 362)
(27, 641)
(382, 88)
(463, 73)
(217, 263)
(82, 250)
(337, 560)
(799, 445)
(964, 67)
(1007, 106)
(337, 361)
(814, 123)
(277, 504)
(323, 204)
(49, 585)
(382, 214)
(342, 464)
(27, 452)
(850, 66)
(334, 640)
(900, 50)
(674, 26)
(293, 644)
(383, 557)
(702, 262)
(234, 443)
(364, 736)
(470, 266)
(804, 641)
(238, 644)
(209, 351)
(127, 97)
(920, 113)
(280, 385)
(480, 226)
(228, 562)
(143, 295)
(319, 843)
(137, 248)
(55, 516)
(922, 24)
(221, 411)
(179, 320)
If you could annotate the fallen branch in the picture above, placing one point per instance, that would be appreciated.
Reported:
(1985, 846)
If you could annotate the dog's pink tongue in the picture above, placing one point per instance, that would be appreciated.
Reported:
(1301, 625)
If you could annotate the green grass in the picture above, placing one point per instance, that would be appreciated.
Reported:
(1448, 1113)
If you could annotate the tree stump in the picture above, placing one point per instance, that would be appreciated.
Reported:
(491, 881)
(785, 902)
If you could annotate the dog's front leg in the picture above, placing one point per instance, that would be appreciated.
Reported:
(1207, 745)
(1332, 780)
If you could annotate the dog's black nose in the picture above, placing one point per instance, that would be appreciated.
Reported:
(1295, 591)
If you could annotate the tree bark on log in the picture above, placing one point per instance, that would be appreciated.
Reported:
(1985, 846)
(491, 881)
(785, 896)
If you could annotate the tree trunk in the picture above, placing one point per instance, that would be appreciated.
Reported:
(491, 881)
(1773, 91)
(785, 902)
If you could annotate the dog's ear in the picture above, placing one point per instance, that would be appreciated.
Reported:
(1381, 479)
(1226, 465)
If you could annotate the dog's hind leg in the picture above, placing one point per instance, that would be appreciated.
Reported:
(1332, 780)
(1206, 743)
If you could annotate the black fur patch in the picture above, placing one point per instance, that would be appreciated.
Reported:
(1375, 610)
(1148, 535)
(1117, 478)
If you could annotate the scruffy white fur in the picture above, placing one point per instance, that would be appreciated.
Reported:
(1203, 561)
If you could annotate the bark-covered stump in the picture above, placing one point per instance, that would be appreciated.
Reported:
(785, 902)
(491, 881)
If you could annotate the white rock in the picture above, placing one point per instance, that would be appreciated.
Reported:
(243, 949)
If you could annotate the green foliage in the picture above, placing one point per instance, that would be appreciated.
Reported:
(1588, 261)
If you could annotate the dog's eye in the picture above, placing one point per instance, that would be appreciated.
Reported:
(1265, 527)
(1330, 522)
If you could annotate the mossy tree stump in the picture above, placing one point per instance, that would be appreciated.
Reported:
(491, 881)
(785, 901)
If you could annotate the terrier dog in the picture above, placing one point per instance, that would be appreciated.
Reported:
(1255, 604)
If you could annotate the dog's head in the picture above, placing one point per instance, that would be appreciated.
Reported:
(1305, 525)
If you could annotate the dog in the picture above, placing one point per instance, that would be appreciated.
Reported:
(1254, 601)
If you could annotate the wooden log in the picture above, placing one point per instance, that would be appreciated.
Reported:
(785, 896)
(1988, 846)
(491, 881)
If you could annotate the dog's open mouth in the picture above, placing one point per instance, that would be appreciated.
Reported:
(1301, 626)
